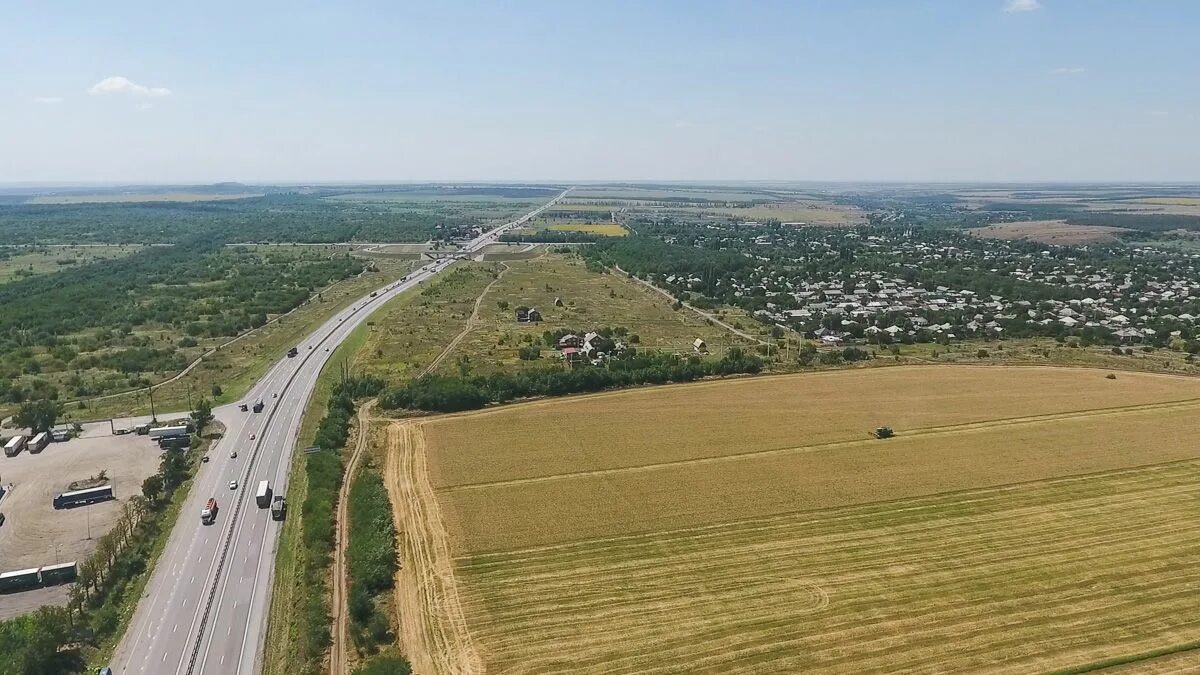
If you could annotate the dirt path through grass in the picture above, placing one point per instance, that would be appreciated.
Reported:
(340, 650)
(472, 321)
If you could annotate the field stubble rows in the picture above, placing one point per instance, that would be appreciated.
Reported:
(1023, 519)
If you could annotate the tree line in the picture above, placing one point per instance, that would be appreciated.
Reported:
(443, 393)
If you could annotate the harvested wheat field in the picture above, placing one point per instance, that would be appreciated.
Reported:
(1022, 519)
(1051, 232)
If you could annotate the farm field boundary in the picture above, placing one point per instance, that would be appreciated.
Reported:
(752, 524)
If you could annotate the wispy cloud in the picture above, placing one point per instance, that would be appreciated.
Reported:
(143, 106)
(48, 100)
(1158, 113)
(122, 85)
(1022, 5)
(1069, 70)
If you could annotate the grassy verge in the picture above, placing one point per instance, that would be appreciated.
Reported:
(286, 642)
(234, 368)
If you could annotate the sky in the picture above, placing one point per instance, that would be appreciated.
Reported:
(127, 91)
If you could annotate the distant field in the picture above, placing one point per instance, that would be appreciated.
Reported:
(811, 213)
(572, 207)
(402, 196)
(603, 229)
(55, 258)
(655, 194)
(1023, 519)
(1050, 232)
(1171, 201)
(136, 197)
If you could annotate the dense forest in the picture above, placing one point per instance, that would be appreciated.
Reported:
(271, 218)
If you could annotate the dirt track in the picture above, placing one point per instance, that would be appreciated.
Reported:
(433, 631)
(340, 650)
(472, 321)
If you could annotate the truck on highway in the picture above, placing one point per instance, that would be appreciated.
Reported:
(168, 432)
(262, 496)
(292, 352)
(67, 500)
(209, 513)
(39, 442)
(278, 508)
(258, 406)
(14, 446)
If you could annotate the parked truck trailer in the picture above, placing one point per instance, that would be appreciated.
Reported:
(168, 432)
(15, 445)
(59, 574)
(73, 498)
(39, 442)
(19, 580)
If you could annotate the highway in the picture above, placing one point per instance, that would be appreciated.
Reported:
(205, 607)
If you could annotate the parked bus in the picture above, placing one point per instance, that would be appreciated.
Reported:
(67, 500)
(39, 442)
(262, 496)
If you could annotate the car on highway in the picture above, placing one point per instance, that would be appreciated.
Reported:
(233, 455)
(1, 518)
(244, 408)
(204, 459)
(251, 436)
(233, 485)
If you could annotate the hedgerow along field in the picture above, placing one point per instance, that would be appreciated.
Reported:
(1022, 519)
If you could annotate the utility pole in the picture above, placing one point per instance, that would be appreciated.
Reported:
(153, 415)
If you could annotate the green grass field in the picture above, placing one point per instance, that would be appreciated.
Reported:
(20, 263)
(590, 301)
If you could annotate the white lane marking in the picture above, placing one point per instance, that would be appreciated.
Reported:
(175, 629)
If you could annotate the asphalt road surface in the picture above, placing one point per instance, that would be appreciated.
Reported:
(205, 607)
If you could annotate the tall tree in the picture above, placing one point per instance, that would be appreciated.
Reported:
(38, 415)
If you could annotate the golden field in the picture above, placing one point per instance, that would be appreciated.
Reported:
(1022, 519)
(602, 229)
(1057, 232)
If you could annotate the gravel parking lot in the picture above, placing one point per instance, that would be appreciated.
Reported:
(34, 534)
